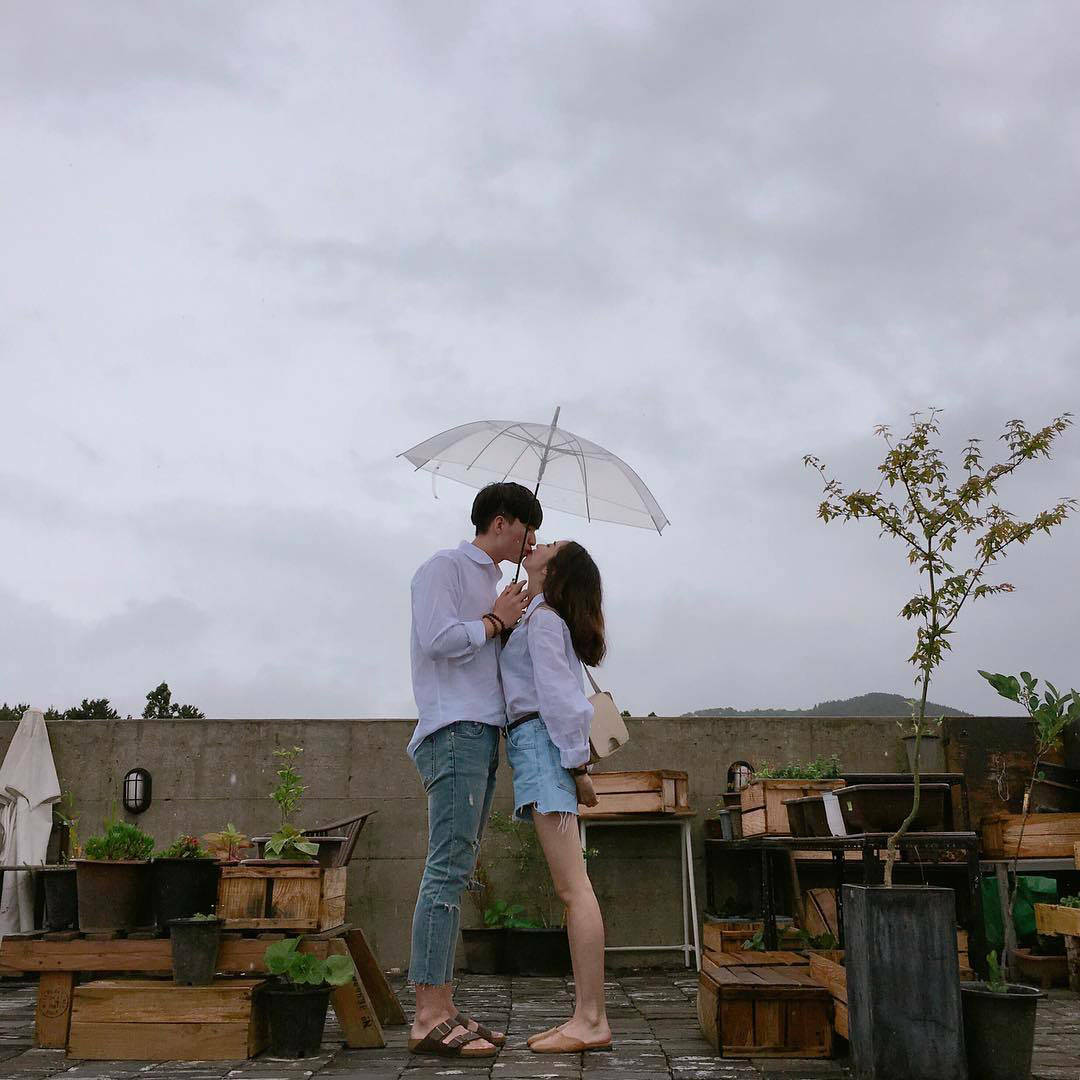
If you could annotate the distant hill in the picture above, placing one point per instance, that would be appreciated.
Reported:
(875, 704)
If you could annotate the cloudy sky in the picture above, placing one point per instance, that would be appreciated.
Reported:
(252, 251)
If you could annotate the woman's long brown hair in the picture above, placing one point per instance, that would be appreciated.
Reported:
(572, 587)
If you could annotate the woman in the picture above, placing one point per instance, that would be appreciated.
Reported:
(547, 734)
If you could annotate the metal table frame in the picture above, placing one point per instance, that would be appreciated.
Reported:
(870, 845)
(691, 943)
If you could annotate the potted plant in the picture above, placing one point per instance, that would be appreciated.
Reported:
(61, 894)
(288, 844)
(195, 943)
(903, 980)
(485, 946)
(227, 845)
(114, 879)
(999, 1026)
(185, 880)
(763, 798)
(298, 996)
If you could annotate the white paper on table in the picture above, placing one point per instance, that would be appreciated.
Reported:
(832, 813)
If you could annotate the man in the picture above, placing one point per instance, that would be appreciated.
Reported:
(457, 617)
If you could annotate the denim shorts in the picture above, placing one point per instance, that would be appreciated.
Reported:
(540, 780)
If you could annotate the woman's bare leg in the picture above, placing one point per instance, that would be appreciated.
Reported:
(558, 837)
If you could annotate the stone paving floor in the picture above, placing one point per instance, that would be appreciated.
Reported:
(652, 1016)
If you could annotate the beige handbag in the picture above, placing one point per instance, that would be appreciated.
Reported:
(608, 731)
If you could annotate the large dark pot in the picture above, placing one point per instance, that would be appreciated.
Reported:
(61, 897)
(114, 895)
(878, 808)
(903, 983)
(796, 815)
(542, 952)
(999, 1030)
(184, 887)
(485, 951)
(195, 945)
(297, 1016)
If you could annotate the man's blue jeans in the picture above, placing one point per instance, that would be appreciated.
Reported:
(457, 766)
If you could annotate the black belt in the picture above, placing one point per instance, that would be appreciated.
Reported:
(520, 720)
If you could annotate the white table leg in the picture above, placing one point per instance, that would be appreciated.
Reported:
(685, 870)
(693, 892)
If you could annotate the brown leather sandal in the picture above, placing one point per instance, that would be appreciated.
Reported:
(437, 1043)
(484, 1032)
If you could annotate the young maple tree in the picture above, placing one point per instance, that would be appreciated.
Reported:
(930, 517)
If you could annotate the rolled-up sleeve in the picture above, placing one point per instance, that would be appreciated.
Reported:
(436, 599)
(566, 711)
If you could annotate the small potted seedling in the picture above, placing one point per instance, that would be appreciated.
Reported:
(185, 880)
(999, 1025)
(195, 942)
(228, 845)
(289, 844)
(298, 996)
(114, 879)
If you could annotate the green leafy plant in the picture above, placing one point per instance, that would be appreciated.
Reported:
(65, 815)
(121, 841)
(504, 916)
(995, 977)
(930, 519)
(820, 768)
(183, 847)
(289, 842)
(530, 869)
(1070, 901)
(227, 844)
(203, 918)
(283, 959)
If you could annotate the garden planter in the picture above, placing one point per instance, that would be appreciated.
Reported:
(297, 1016)
(61, 897)
(763, 803)
(806, 816)
(184, 887)
(114, 895)
(329, 848)
(1052, 797)
(903, 984)
(1048, 970)
(931, 754)
(485, 951)
(999, 1030)
(538, 952)
(195, 945)
(881, 808)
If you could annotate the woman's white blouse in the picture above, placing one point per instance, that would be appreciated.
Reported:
(542, 673)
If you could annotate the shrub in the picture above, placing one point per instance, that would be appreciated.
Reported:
(121, 841)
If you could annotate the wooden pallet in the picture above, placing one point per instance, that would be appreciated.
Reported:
(1046, 836)
(659, 791)
(281, 897)
(154, 1020)
(766, 1012)
(763, 809)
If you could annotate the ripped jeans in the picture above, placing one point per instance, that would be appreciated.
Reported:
(457, 766)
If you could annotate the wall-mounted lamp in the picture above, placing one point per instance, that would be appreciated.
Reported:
(137, 785)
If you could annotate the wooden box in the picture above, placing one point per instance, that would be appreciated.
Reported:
(720, 938)
(1056, 919)
(659, 791)
(763, 809)
(282, 897)
(747, 1011)
(827, 970)
(1046, 836)
(155, 1020)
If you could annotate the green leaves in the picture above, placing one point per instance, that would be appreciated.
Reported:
(283, 958)
(1052, 713)
(121, 841)
(995, 979)
(502, 915)
(290, 843)
(289, 790)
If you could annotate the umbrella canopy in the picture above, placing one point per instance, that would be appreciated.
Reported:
(566, 471)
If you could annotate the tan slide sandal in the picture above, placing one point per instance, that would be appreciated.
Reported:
(563, 1044)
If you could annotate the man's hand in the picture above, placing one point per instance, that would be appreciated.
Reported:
(511, 604)
(586, 796)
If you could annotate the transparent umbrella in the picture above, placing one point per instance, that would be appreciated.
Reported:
(565, 471)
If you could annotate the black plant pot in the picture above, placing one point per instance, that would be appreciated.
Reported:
(999, 1030)
(184, 887)
(297, 1016)
(114, 895)
(485, 951)
(61, 897)
(542, 952)
(903, 983)
(195, 945)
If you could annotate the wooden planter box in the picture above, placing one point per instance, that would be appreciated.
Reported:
(1046, 836)
(719, 938)
(281, 897)
(1055, 919)
(660, 791)
(155, 1020)
(763, 810)
(827, 970)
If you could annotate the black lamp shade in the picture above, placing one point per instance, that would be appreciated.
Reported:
(137, 786)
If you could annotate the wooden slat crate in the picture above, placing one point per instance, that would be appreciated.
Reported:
(659, 791)
(282, 897)
(1056, 919)
(155, 1020)
(763, 809)
(747, 1011)
(717, 938)
(1046, 836)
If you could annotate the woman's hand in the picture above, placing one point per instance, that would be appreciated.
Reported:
(586, 796)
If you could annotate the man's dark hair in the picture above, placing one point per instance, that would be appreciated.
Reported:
(511, 501)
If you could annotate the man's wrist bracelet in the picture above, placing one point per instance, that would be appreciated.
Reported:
(494, 623)
(501, 628)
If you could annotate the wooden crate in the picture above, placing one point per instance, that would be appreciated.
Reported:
(155, 1020)
(827, 970)
(717, 938)
(1046, 836)
(772, 1012)
(659, 791)
(282, 897)
(763, 809)
(1076, 854)
(1056, 919)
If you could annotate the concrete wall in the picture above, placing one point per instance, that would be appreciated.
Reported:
(208, 772)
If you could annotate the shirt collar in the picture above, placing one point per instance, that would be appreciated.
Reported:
(536, 602)
(482, 558)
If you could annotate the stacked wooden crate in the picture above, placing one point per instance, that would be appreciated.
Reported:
(763, 809)
(1045, 836)
(266, 897)
(657, 791)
